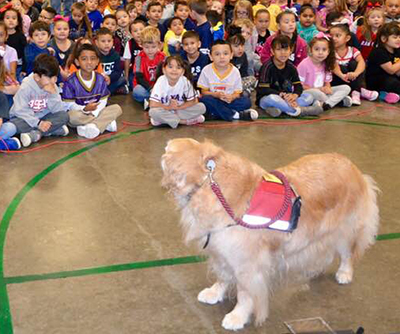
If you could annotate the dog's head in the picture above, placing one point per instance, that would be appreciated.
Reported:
(184, 165)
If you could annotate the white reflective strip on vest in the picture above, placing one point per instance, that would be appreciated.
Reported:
(259, 220)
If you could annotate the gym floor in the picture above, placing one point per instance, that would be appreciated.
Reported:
(90, 243)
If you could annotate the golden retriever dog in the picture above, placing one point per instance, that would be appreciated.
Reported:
(339, 217)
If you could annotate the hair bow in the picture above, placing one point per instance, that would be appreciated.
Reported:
(343, 21)
(291, 10)
(373, 4)
(60, 17)
(321, 34)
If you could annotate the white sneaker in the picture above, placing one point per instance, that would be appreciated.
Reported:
(347, 101)
(146, 104)
(25, 139)
(112, 127)
(356, 98)
(88, 131)
(66, 130)
(154, 122)
(197, 120)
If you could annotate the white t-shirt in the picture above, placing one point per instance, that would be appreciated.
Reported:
(229, 82)
(182, 92)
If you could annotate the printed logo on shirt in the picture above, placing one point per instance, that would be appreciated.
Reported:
(219, 88)
(196, 70)
(38, 104)
(166, 99)
(152, 73)
(108, 68)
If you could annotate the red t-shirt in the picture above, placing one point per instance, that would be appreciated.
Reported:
(147, 66)
(366, 46)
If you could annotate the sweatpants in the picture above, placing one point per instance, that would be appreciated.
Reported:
(105, 117)
(218, 109)
(172, 117)
(338, 94)
(57, 120)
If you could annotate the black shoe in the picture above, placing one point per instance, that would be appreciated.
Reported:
(248, 115)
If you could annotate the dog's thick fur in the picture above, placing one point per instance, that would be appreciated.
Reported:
(339, 216)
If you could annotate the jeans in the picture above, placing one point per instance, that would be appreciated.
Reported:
(219, 109)
(140, 93)
(275, 101)
(57, 120)
(7, 130)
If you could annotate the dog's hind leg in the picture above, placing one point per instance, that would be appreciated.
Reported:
(214, 294)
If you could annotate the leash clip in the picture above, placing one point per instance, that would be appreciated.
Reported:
(211, 168)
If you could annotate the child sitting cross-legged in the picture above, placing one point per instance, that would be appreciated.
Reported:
(279, 88)
(38, 110)
(221, 87)
(173, 99)
(86, 94)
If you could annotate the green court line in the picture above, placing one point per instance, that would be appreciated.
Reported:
(388, 236)
(5, 314)
(105, 269)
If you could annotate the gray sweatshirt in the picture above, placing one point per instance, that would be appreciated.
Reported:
(32, 103)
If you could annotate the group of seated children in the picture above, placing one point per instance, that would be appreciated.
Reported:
(190, 61)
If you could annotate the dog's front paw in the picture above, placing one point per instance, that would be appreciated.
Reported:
(234, 321)
(210, 296)
(344, 277)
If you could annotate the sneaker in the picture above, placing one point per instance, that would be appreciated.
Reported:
(112, 127)
(370, 95)
(347, 101)
(88, 131)
(146, 104)
(124, 90)
(355, 98)
(28, 138)
(389, 97)
(248, 115)
(196, 120)
(273, 112)
(295, 113)
(154, 122)
(314, 110)
(63, 131)
(10, 144)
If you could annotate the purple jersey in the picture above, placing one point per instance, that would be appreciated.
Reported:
(75, 90)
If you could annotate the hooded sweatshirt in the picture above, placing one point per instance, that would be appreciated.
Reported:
(32, 103)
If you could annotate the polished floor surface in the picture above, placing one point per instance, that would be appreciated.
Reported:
(90, 244)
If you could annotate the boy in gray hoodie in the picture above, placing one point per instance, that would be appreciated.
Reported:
(38, 109)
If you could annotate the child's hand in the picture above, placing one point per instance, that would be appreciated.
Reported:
(44, 126)
(1, 122)
(351, 76)
(64, 73)
(107, 79)
(173, 104)
(52, 51)
(91, 106)
(228, 98)
(326, 89)
(344, 77)
(50, 88)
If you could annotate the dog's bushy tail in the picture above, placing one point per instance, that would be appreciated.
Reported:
(366, 236)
